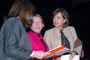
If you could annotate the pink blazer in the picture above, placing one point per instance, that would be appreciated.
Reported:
(36, 43)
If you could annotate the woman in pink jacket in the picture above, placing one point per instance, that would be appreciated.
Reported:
(37, 41)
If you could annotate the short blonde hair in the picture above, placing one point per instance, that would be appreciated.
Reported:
(38, 15)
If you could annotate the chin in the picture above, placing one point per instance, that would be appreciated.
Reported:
(57, 26)
(38, 32)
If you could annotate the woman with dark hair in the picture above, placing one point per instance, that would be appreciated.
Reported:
(62, 34)
(17, 45)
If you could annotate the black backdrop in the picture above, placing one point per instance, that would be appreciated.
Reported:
(79, 15)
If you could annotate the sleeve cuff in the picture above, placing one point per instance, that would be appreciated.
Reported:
(31, 54)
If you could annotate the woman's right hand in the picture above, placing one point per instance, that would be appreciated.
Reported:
(40, 54)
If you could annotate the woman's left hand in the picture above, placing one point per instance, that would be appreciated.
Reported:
(72, 54)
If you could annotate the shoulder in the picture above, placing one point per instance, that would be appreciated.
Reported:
(11, 23)
(50, 30)
(13, 20)
(70, 28)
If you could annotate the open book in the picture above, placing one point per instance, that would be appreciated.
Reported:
(57, 52)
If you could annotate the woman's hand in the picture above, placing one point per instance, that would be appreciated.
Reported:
(72, 54)
(40, 54)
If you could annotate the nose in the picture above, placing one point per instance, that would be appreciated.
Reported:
(55, 19)
(37, 23)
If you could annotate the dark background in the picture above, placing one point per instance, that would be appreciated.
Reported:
(79, 11)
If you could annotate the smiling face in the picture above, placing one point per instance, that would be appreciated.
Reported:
(58, 20)
(37, 24)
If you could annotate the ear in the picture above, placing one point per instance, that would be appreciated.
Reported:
(43, 25)
(64, 21)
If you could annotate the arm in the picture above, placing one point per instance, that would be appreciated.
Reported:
(77, 43)
(12, 41)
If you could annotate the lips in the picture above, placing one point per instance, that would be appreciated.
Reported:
(56, 23)
(37, 28)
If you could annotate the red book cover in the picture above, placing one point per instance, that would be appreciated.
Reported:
(57, 52)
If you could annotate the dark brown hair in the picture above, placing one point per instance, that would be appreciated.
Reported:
(23, 9)
(65, 15)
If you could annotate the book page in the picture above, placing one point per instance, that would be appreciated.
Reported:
(66, 57)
